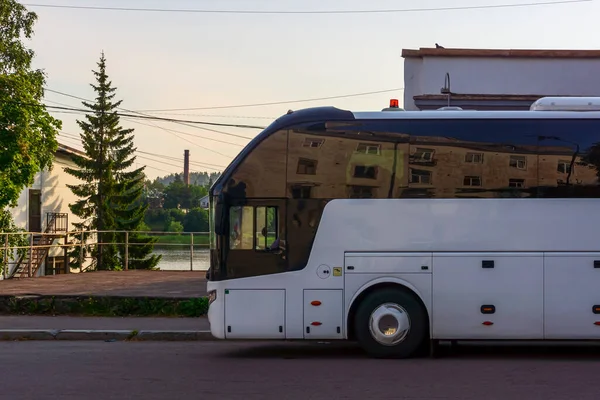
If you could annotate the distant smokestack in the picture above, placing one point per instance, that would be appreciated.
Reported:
(186, 167)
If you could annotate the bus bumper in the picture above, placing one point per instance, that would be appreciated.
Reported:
(216, 313)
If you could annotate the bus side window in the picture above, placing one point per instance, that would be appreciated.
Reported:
(241, 228)
(267, 235)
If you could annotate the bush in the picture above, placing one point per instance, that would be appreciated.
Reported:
(104, 306)
(175, 226)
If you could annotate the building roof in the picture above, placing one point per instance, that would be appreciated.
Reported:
(498, 53)
(68, 150)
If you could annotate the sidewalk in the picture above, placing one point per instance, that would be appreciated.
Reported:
(101, 328)
(134, 283)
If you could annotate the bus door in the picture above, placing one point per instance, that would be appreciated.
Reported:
(256, 239)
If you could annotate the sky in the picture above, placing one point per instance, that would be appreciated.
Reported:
(168, 60)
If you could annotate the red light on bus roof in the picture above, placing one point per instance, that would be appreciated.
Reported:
(394, 103)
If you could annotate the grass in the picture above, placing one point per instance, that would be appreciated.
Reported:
(104, 306)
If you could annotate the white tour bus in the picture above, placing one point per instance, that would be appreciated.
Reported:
(399, 229)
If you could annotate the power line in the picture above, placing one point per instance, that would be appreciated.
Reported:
(159, 127)
(150, 117)
(156, 126)
(342, 96)
(165, 110)
(296, 12)
(198, 136)
(146, 165)
(184, 139)
(178, 159)
(211, 115)
(72, 136)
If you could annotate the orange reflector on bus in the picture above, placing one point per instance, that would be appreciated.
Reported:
(315, 303)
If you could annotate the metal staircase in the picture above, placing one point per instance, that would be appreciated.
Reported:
(41, 245)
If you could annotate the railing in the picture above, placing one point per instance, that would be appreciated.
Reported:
(57, 222)
(62, 246)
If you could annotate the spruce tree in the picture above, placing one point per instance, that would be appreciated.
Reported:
(110, 195)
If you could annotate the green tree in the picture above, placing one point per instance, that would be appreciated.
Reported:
(179, 195)
(110, 195)
(196, 220)
(27, 132)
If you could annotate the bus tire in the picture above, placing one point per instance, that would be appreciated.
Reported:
(390, 323)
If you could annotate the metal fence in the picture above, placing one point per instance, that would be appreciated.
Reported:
(44, 249)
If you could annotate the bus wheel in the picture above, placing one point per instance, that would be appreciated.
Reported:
(390, 323)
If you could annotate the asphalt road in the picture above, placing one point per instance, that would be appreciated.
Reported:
(218, 370)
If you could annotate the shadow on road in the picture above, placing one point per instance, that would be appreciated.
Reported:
(463, 351)
(298, 350)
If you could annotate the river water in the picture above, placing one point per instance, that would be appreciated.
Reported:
(176, 258)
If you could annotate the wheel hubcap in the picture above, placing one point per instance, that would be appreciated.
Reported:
(389, 324)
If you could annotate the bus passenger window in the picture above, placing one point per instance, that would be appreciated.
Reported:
(267, 237)
(241, 228)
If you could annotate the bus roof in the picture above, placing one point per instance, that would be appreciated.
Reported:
(332, 114)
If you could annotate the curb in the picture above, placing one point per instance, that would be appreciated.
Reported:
(105, 335)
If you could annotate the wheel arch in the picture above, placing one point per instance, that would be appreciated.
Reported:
(378, 284)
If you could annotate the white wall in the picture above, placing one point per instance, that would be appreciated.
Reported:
(478, 75)
(56, 196)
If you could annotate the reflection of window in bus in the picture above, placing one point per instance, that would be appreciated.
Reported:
(243, 235)
(241, 223)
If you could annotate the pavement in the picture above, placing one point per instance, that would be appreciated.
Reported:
(135, 283)
(248, 371)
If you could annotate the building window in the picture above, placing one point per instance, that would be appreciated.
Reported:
(307, 167)
(564, 166)
(423, 155)
(301, 192)
(474, 158)
(472, 181)
(313, 143)
(516, 183)
(361, 192)
(362, 171)
(420, 176)
(368, 148)
(519, 162)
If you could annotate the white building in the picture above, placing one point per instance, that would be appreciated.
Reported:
(204, 202)
(496, 79)
(44, 207)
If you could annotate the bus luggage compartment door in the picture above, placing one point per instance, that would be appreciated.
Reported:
(323, 314)
(255, 314)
